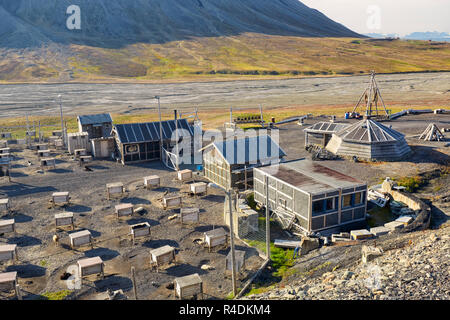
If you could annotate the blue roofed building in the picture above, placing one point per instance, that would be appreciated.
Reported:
(230, 163)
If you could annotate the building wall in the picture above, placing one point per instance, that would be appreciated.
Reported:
(286, 197)
(216, 169)
(283, 196)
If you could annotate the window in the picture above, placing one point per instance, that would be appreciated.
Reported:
(358, 198)
(330, 204)
(347, 201)
(317, 206)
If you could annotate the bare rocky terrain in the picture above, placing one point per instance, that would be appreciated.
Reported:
(406, 90)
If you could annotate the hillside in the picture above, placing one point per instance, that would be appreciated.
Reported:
(117, 23)
(193, 40)
(247, 56)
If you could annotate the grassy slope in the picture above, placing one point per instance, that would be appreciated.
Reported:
(249, 56)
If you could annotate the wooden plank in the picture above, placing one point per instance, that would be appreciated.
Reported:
(289, 244)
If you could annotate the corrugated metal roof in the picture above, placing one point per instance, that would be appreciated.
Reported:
(311, 177)
(148, 132)
(249, 150)
(369, 131)
(94, 118)
(326, 127)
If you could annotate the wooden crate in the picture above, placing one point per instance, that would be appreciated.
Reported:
(7, 226)
(80, 152)
(59, 143)
(64, 219)
(48, 162)
(85, 159)
(188, 286)
(41, 146)
(8, 281)
(152, 182)
(114, 189)
(8, 252)
(52, 139)
(5, 150)
(4, 205)
(81, 238)
(239, 257)
(60, 198)
(162, 256)
(199, 188)
(172, 202)
(185, 175)
(44, 153)
(215, 238)
(189, 215)
(140, 230)
(124, 209)
(91, 266)
(361, 234)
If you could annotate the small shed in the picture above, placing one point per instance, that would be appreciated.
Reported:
(140, 230)
(96, 125)
(162, 256)
(171, 202)
(189, 215)
(60, 198)
(215, 238)
(115, 188)
(5, 168)
(80, 238)
(152, 182)
(5, 150)
(140, 142)
(8, 282)
(48, 162)
(199, 188)
(188, 286)
(64, 219)
(124, 209)
(90, 266)
(230, 163)
(78, 140)
(4, 205)
(103, 147)
(310, 197)
(8, 252)
(7, 226)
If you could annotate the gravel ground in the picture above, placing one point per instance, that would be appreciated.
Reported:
(41, 263)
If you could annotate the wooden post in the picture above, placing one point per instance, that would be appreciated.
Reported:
(18, 293)
(233, 257)
(133, 278)
(267, 219)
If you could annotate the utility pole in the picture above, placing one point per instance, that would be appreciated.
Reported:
(177, 138)
(267, 219)
(160, 127)
(62, 121)
(233, 257)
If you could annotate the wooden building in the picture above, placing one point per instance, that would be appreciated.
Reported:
(371, 140)
(230, 163)
(96, 126)
(319, 134)
(140, 142)
(311, 198)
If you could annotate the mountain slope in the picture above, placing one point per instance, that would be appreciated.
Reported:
(116, 23)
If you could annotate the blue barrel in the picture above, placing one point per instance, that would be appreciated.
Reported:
(347, 115)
